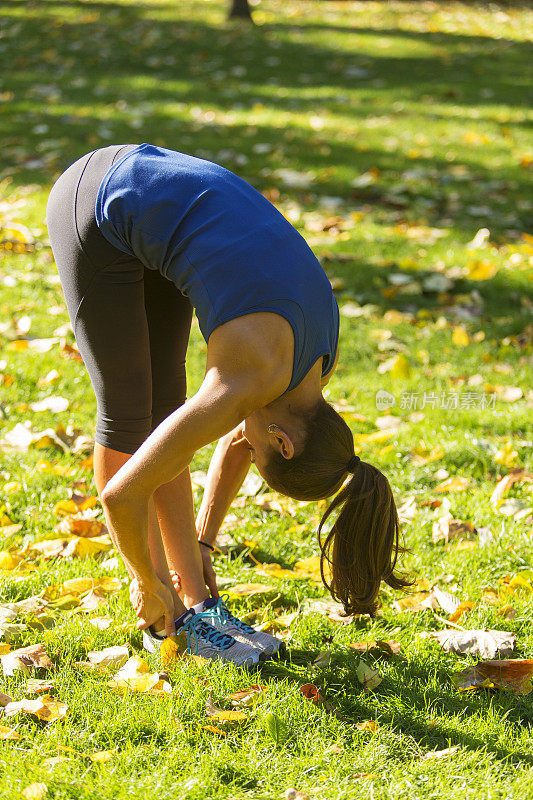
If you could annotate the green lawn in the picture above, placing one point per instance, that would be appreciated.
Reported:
(389, 134)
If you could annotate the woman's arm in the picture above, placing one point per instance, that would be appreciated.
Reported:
(228, 468)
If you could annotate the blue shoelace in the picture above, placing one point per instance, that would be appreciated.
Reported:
(197, 626)
(220, 610)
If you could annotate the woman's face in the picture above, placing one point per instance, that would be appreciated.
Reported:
(258, 438)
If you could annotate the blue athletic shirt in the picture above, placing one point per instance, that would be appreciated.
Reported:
(223, 244)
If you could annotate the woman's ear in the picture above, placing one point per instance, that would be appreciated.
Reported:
(281, 441)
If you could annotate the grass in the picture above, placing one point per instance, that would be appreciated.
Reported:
(431, 102)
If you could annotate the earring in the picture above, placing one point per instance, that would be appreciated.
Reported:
(272, 428)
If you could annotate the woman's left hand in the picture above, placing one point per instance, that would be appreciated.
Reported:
(153, 602)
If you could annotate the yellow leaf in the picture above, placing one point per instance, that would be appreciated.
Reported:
(107, 585)
(368, 726)
(248, 589)
(213, 729)
(507, 456)
(457, 484)
(101, 756)
(8, 561)
(45, 708)
(398, 366)
(480, 269)
(172, 648)
(376, 436)
(460, 336)
(35, 791)
(79, 547)
(8, 733)
(229, 716)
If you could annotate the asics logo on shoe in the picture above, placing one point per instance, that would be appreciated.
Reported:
(223, 641)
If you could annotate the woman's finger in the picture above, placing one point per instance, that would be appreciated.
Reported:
(212, 585)
(170, 627)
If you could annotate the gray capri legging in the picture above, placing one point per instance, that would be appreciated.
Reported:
(131, 323)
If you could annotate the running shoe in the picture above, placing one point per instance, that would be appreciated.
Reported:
(205, 640)
(216, 611)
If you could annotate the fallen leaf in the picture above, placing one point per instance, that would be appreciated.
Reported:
(172, 648)
(505, 483)
(45, 708)
(457, 484)
(35, 791)
(447, 528)
(436, 754)
(512, 675)
(249, 589)
(378, 648)
(101, 756)
(275, 727)
(367, 676)
(53, 403)
(8, 733)
(368, 726)
(82, 524)
(102, 623)
(35, 686)
(115, 656)
(214, 729)
(463, 608)
(135, 676)
(26, 658)
(486, 644)
(247, 697)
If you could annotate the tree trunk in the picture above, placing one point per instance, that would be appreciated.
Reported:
(241, 9)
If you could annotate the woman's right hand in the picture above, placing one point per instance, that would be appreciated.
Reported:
(210, 577)
(152, 602)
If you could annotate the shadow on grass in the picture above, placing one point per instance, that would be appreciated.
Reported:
(342, 689)
(115, 73)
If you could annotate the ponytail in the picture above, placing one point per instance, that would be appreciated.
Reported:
(363, 544)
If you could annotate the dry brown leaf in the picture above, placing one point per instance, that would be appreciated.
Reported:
(83, 524)
(45, 708)
(486, 644)
(115, 656)
(513, 675)
(5, 699)
(25, 659)
(447, 528)
(462, 608)
(247, 697)
(503, 485)
(378, 648)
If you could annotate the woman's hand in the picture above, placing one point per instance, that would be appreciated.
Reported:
(152, 602)
(210, 577)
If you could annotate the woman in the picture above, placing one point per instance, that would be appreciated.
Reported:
(142, 235)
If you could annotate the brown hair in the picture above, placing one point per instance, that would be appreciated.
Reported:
(363, 544)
